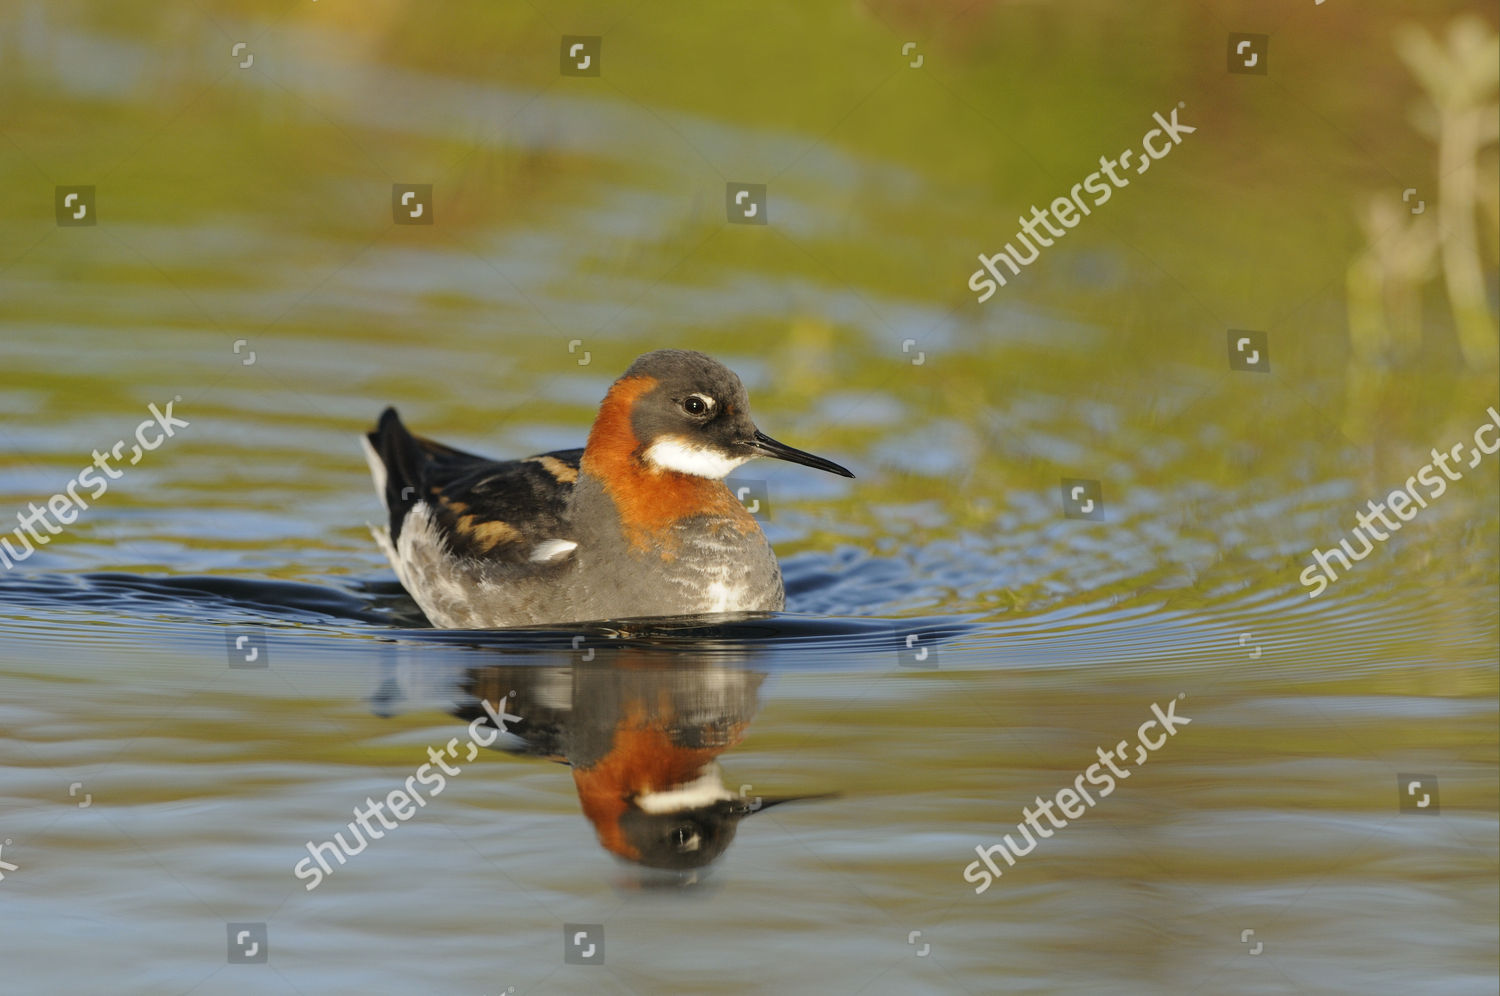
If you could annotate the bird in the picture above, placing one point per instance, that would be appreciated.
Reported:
(642, 729)
(637, 523)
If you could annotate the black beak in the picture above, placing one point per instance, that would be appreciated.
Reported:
(748, 808)
(766, 446)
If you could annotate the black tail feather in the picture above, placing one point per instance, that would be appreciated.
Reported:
(404, 467)
(414, 465)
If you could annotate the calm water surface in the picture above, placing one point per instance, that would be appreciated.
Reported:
(954, 646)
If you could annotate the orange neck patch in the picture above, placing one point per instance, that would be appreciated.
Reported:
(641, 759)
(650, 500)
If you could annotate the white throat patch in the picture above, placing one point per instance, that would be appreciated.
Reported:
(672, 453)
(705, 790)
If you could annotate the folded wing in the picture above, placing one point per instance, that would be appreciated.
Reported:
(511, 511)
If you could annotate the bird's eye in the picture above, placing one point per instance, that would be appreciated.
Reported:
(685, 838)
(695, 404)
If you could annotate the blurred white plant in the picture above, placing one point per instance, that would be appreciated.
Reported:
(1460, 113)
(1385, 282)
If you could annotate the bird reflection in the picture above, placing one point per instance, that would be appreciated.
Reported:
(642, 729)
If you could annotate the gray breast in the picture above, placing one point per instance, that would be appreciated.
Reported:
(703, 564)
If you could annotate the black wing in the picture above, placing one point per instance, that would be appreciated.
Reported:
(483, 508)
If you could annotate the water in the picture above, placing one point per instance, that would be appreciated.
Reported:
(211, 669)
